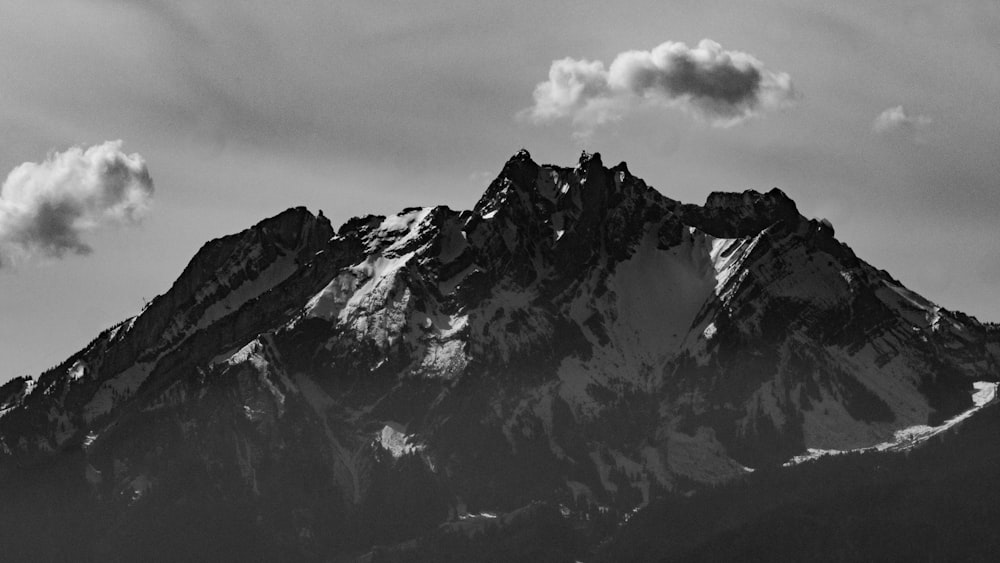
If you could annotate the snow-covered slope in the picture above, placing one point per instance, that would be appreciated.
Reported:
(577, 337)
(913, 436)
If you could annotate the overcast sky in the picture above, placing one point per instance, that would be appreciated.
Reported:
(880, 116)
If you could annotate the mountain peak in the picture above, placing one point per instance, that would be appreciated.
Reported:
(585, 193)
(732, 214)
(293, 225)
(518, 176)
(774, 198)
(593, 158)
(521, 155)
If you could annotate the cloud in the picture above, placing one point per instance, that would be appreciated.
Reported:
(46, 208)
(896, 119)
(722, 87)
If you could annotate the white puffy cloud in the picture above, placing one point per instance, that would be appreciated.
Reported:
(896, 119)
(46, 208)
(720, 86)
(573, 88)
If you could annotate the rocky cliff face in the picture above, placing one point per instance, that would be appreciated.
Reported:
(576, 338)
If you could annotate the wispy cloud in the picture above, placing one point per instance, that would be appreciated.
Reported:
(722, 87)
(897, 119)
(46, 208)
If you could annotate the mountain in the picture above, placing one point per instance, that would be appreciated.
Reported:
(567, 352)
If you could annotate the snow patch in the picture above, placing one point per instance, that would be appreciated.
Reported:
(263, 356)
(226, 295)
(403, 221)
(727, 256)
(328, 303)
(77, 370)
(444, 359)
(275, 273)
(394, 439)
(371, 306)
(917, 310)
(409, 222)
(911, 437)
(17, 399)
(709, 331)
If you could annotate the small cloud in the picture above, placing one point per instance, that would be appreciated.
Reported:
(46, 208)
(722, 87)
(896, 119)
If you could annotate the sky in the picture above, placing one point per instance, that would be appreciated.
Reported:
(879, 116)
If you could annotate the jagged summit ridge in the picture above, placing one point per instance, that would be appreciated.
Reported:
(576, 337)
(590, 185)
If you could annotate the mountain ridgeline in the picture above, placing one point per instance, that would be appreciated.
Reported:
(574, 348)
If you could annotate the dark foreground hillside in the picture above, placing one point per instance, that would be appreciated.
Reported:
(938, 503)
